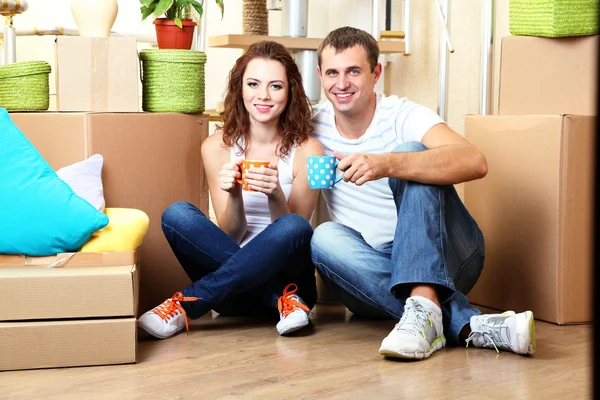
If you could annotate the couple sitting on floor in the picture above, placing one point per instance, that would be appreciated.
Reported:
(401, 244)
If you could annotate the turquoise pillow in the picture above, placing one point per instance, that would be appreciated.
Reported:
(39, 213)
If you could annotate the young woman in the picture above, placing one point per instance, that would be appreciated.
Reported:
(257, 261)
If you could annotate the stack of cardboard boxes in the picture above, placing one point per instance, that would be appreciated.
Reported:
(81, 312)
(535, 206)
(150, 161)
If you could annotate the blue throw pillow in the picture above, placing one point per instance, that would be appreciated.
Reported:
(39, 213)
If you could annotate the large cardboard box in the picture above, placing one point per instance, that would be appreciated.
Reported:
(548, 75)
(67, 343)
(79, 312)
(535, 208)
(97, 74)
(150, 161)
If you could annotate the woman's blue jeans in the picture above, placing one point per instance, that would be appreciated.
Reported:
(234, 280)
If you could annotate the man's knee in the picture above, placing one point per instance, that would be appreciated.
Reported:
(408, 147)
(325, 237)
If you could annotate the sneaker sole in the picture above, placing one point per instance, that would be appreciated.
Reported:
(292, 328)
(532, 331)
(154, 333)
(419, 355)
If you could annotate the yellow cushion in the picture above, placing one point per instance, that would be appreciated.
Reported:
(125, 231)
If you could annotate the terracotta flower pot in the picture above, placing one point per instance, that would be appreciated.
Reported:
(170, 36)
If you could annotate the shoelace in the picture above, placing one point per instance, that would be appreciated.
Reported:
(413, 319)
(487, 334)
(170, 307)
(288, 303)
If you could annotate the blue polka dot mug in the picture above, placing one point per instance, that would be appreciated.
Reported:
(322, 171)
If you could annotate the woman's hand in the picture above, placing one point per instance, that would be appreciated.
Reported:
(265, 180)
(228, 175)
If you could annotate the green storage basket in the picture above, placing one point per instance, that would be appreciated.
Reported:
(554, 18)
(24, 86)
(173, 80)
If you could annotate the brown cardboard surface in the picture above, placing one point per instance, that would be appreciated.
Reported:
(55, 138)
(108, 259)
(52, 344)
(150, 161)
(97, 74)
(81, 285)
(548, 75)
(57, 293)
(535, 209)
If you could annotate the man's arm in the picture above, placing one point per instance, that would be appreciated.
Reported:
(450, 159)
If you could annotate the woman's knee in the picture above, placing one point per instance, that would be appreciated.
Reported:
(179, 212)
(294, 225)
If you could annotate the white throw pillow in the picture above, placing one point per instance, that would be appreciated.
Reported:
(85, 179)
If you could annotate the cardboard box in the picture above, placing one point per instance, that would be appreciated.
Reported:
(536, 211)
(548, 75)
(53, 344)
(85, 285)
(150, 161)
(68, 315)
(97, 74)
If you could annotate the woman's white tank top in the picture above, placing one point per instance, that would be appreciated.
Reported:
(256, 205)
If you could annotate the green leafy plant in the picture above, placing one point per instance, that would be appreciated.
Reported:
(174, 9)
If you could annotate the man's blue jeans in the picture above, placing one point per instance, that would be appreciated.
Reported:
(436, 242)
(240, 281)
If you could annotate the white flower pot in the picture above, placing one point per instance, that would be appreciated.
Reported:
(94, 18)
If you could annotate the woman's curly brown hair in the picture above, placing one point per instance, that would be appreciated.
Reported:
(294, 123)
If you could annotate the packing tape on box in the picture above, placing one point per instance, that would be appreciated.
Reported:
(60, 262)
(100, 74)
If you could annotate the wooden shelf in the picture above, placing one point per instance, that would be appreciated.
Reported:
(244, 41)
(213, 115)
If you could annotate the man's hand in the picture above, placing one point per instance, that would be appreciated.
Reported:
(360, 168)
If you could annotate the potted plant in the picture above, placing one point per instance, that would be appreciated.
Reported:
(176, 29)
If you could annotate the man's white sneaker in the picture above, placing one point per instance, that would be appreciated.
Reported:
(166, 319)
(507, 331)
(293, 313)
(419, 332)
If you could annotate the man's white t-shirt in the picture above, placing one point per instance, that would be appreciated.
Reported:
(370, 208)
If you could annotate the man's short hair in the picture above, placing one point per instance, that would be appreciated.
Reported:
(346, 37)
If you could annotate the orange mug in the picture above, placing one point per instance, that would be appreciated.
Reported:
(246, 165)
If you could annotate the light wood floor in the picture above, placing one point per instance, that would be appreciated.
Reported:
(234, 358)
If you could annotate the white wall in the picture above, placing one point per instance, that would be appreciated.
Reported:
(414, 76)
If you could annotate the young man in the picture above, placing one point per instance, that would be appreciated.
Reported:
(401, 243)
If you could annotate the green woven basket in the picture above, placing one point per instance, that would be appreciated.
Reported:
(173, 80)
(554, 18)
(24, 86)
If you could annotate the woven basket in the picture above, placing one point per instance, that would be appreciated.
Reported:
(173, 80)
(24, 86)
(255, 17)
(554, 18)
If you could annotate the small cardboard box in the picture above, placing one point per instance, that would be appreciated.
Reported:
(79, 312)
(535, 208)
(548, 75)
(86, 285)
(97, 74)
